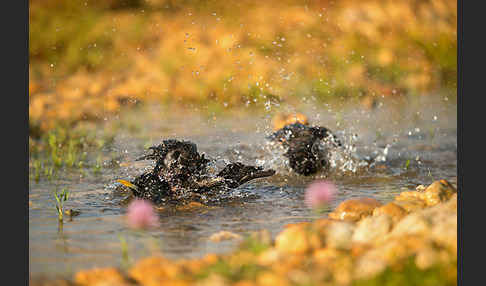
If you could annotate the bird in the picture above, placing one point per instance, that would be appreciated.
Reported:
(181, 173)
(307, 147)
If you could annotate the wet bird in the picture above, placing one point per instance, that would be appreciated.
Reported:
(307, 147)
(180, 173)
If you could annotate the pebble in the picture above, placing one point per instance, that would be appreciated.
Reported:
(393, 210)
(224, 235)
(100, 277)
(360, 239)
(339, 235)
(372, 229)
(354, 209)
(437, 192)
(293, 240)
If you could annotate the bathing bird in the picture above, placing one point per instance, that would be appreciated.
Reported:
(181, 173)
(307, 147)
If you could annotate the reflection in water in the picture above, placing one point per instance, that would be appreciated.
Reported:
(422, 132)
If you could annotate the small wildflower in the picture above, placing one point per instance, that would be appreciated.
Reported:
(319, 194)
(141, 214)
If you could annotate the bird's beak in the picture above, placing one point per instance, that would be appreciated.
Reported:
(128, 184)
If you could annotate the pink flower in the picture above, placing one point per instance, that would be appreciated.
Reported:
(319, 193)
(141, 214)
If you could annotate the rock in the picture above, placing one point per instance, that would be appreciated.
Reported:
(270, 279)
(354, 209)
(411, 205)
(210, 258)
(368, 266)
(426, 258)
(212, 280)
(293, 240)
(393, 210)
(439, 191)
(372, 229)
(420, 188)
(342, 270)
(100, 277)
(244, 283)
(324, 256)
(339, 235)
(268, 257)
(358, 249)
(415, 223)
(153, 270)
(224, 235)
(409, 195)
(444, 233)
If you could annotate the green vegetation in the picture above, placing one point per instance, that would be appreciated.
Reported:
(60, 199)
(232, 272)
(64, 147)
(409, 274)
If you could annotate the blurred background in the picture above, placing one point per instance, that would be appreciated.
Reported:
(92, 59)
(108, 79)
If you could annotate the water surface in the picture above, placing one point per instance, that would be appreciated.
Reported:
(421, 130)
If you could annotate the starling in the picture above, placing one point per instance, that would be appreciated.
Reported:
(180, 172)
(307, 147)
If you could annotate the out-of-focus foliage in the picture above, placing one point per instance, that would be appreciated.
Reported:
(88, 58)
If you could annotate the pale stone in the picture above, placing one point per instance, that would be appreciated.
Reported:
(372, 229)
(270, 279)
(369, 266)
(426, 258)
(339, 235)
(224, 235)
(292, 240)
(268, 257)
(414, 223)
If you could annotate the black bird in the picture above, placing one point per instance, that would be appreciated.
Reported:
(180, 172)
(307, 147)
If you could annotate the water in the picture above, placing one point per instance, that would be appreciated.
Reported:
(421, 130)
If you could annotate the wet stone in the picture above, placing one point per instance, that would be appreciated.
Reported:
(100, 277)
(393, 210)
(409, 195)
(439, 191)
(354, 209)
(411, 205)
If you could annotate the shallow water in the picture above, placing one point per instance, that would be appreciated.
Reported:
(422, 130)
